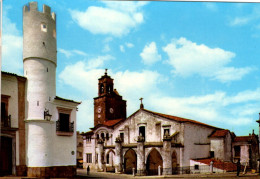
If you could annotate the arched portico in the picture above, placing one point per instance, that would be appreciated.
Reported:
(109, 160)
(154, 160)
(130, 161)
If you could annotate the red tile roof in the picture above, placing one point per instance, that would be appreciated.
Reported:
(227, 166)
(220, 133)
(110, 123)
(242, 138)
(179, 119)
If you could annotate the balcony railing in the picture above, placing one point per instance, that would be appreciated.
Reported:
(6, 121)
(64, 128)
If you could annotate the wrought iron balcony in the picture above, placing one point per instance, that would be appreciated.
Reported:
(63, 128)
(6, 121)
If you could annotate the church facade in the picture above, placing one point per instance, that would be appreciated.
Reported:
(149, 143)
(38, 128)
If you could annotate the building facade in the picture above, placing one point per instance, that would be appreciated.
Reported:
(45, 122)
(149, 143)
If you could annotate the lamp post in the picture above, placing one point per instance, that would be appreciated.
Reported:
(47, 115)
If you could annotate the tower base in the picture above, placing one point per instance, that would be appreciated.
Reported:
(53, 172)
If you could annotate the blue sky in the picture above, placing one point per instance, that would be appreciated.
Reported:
(195, 60)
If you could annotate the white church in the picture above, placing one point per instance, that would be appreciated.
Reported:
(38, 128)
(152, 143)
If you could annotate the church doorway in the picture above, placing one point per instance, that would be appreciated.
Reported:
(130, 160)
(174, 163)
(110, 161)
(6, 156)
(153, 161)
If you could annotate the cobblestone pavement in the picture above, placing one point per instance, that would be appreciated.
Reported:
(83, 174)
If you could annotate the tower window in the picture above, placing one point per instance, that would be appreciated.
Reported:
(44, 27)
(47, 69)
(122, 137)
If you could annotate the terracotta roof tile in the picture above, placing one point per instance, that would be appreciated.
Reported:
(220, 133)
(227, 166)
(179, 119)
(110, 123)
(242, 138)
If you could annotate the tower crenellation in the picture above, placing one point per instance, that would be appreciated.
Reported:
(39, 57)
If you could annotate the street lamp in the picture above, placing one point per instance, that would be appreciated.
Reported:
(47, 115)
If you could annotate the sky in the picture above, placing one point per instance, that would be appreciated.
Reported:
(196, 60)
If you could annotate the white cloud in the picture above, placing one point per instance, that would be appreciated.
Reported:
(240, 21)
(131, 85)
(230, 73)
(122, 49)
(246, 19)
(12, 59)
(98, 62)
(217, 109)
(188, 58)
(211, 6)
(106, 48)
(150, 54)
(116, 19)
(129, 45)
(69, 53)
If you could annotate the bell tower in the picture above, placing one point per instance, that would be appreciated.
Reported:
(109, 105)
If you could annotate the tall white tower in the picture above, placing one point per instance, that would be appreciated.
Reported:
(51, 143)
(39, 58)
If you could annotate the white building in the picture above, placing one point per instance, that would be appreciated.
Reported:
(146, 140)
(44, 139)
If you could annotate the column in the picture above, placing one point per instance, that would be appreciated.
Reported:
(167, 157)
(100, 155)
(118, 155)
(140, 156)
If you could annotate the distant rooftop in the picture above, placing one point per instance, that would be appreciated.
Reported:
(68, 100)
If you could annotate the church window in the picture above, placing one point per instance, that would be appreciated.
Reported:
(196, 167)
(44, 27)
(47, 70)
(96, 158)
(142, 131)
(237, 151)
(89, 158)
(166, 132)
(211, 153)
(122, 136)
(108, 158)
(103, 136)
(107, 136)
(97, 136)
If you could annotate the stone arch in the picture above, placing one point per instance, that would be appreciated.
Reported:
(130, 161)
(109, 160)
(110, 156)
(174, 163)
(154, 159)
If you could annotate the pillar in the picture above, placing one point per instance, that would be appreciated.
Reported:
(140, 156)
(167, 157)
(118, 155)
(100, 155)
